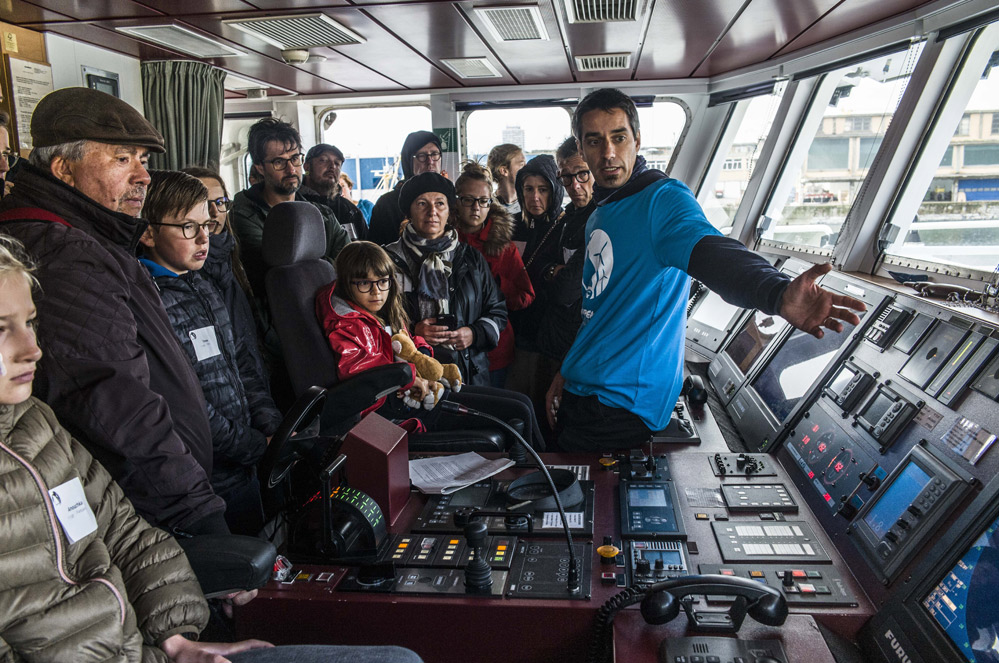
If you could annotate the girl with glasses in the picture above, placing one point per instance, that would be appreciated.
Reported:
(485, 225)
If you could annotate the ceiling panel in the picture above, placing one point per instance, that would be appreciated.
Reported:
(182, 7)
(18, 12)
(529, 62)
(681, 33)
(763, 29)
(598, 38)
(272, 5)
(438, 31)
(84, 10)
(848, 16)
(344, 71)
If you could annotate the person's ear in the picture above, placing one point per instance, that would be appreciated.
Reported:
(259, 170)
(62, 170)
(148, 239)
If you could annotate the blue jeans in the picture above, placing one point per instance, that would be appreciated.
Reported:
(326, 654)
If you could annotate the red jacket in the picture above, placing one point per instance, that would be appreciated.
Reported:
(492, 240)
(358, 338)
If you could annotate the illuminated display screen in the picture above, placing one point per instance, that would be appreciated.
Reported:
(713, 311)
(964, 602)
(754, 337)
(793, 369)
(471, 496)
(647, 497)
(896, 499)
(877, 408)
(841, 380)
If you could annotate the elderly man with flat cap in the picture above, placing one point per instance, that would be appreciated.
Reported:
(112, 369)
(321, 185)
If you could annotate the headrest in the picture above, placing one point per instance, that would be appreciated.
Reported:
(293, 232)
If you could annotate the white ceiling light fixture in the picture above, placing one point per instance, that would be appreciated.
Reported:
(472, 67)
(514, 23)
(299, 31)
(603, 61)
(601, 11)
(181, 40)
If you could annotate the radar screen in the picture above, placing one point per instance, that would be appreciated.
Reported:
(756, 334)
(963, 603)
(829, 457)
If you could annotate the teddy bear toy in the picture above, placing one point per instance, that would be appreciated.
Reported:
(437, 374)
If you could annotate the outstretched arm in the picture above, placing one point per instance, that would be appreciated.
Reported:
(810, 308)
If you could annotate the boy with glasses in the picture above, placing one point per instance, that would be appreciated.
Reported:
(241, 413)
(421, 153)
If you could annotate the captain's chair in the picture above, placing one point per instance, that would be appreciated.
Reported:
(294, 243)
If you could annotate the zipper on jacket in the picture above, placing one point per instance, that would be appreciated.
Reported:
(57, 533)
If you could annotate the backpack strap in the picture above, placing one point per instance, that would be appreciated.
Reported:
(32, 214)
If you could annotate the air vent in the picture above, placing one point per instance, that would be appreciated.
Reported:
(472, 67)
(600, 11)
(523, 23)
(181, 40)
(603, 61)
(299, 31)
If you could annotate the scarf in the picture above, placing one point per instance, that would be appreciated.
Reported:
(434, 258)
(600, 194)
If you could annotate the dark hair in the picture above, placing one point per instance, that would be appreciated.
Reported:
(170, 193)
(266, 130)
(4, 119)
(605, 99)
(356, 261)
(500, 156)
(568, 149)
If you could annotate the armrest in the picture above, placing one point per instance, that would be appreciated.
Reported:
(229, 563)
(347, 399)
(457, 440)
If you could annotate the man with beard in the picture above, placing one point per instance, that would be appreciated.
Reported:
(321, 184)
(276, 150)
(112, 370)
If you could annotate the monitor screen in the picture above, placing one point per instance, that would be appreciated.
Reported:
(714, 312)
(876, 409)
(756, 334)
(793, 369)
(896, 499)
(964, 602)
(647, 497)
(841, 380)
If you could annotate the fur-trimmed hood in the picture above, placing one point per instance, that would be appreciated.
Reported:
(495, 234)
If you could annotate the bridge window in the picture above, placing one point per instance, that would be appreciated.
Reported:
(534, 130)
(950, 214)
(372, 156)
(843, 130)
(662, 125)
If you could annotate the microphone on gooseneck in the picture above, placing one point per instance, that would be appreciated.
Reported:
(573, 583)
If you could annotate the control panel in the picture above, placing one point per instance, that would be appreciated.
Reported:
(791, 541)
(721, 650)
(649, 509)
(848, 386)
(754, 497)
(887, 326)
(816, 585)
(885, 414)
(650, 562)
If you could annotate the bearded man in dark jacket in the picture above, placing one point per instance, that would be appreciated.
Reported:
(321, 184)
(112, 371)
(421, 153)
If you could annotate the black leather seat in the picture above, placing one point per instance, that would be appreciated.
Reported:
(294, 242)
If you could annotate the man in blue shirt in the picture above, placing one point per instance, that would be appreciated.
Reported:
(622, 376)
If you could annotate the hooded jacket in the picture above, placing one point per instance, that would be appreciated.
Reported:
(114, 594)
(358, 338)
(494, 241)
(386, 217)
(240, 411)
(541, 250)
(347, 213)
(475, 301)
(112, 369)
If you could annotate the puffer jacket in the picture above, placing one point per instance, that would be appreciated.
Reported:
(541, 251)
(358, 338)
(475, 300)
(386, 217)
(110, 597)
(493, 240)
(240, 411)
(563, 315)
(112, 369)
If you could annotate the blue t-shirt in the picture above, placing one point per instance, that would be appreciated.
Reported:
(629, 350)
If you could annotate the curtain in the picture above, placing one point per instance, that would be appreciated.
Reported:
(183, 100)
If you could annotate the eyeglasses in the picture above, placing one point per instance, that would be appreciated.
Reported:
(364, 286)
(280, 163)
(424, 157)
(11, 156)
(582, 177)
(469, 201)
(191, 229)
(221, 204)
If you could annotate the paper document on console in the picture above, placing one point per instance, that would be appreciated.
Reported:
(443, 475)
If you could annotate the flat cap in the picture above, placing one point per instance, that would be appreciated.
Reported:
(321, 149)
(79, 113)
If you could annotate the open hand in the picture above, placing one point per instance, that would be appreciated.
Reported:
(810, 308)
(181, 650)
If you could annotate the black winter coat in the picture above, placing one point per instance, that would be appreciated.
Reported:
(240, 411)
(476, 302)
(386, 218)
(112, 369)
(346, 212)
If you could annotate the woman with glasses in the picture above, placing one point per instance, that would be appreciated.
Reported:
(421, 153)
(484, 224)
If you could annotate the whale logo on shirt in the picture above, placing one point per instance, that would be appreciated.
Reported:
(600, 252)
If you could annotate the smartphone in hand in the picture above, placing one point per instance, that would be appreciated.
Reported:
(449, 320)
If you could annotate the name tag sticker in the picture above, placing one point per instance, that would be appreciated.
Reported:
(206, 344)
(72, 510)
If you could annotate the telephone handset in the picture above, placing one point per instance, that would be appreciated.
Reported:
(763, 603)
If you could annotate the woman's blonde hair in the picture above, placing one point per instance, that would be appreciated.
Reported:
(500, 156)
(14, 260)
(355, 262)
